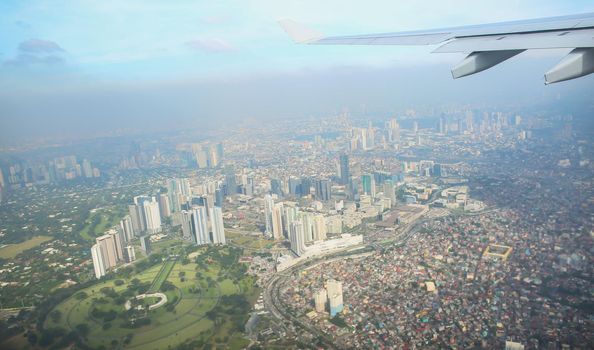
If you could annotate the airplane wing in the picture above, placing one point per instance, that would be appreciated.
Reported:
(487, 45)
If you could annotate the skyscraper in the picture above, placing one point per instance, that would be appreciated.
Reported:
(152, 216)
(368, 184)
(268, 209)
(130, 253)
(186, 224)
(275, 187)
(307, 221)
(145, 244)
(218, 230)
(297, 238)
(319, 228)
(320, 299)
(334, 289)
(164, 207)
(127, 228)
(98, 263)
(109, 252)
(199, 223)
(323, 190)
(178, 191)
(290, 216)
(277, 221)
(345, 174)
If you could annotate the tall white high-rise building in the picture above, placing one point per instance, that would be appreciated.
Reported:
(277, 221)
(297, 238)
(199, 226)
(319, 228)
(137, 218)
(268, 208)
(118, 240)
(127, 228)
(109, 253)
(291, 215)
(152, 216)
(218, 230)
(334, 289)
(320, 299)
(307, 221)
(98, 263)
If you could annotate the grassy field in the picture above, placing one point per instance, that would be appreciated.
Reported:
(162, 276)
(100, 221)
(183, 319)
(12, 250)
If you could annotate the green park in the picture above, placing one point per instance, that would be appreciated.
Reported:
(208, 301)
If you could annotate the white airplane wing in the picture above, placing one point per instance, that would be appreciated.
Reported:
(487, 44)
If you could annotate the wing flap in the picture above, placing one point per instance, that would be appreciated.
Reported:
(547, 40)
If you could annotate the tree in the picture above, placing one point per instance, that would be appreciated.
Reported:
(56, 315)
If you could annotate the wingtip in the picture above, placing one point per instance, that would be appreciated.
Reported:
(299, 33)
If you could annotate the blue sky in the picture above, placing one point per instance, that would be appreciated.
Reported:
(87, 42)
(56, 53)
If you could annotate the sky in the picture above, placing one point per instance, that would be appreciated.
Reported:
(77, 68)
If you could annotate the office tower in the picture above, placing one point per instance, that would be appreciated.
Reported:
(294, 186)
(164, 207)
(345, 173)
(219, 197)
(218, 230)
(320, 299)
(297, 238)
(98, 263)
(186, 224)
(390, 191)
(368, 184)
(319, 228)
(437, 171)
(393, 130)
(334, 289)
(276, 187)
(136, 215)
(2, 184)
(199, 222)
(415, 127)
(145, 244)
(370, 136)
(127, 228)
(323, 190)
(220, 150)
(305, 186)
(87, 168)
(277, 221)
(201, 158)
(130, 253)
(213, 157)
(107, 244)
(230, 182)
(268, 209)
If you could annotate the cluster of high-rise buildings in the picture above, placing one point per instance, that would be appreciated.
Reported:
(331, 296)
(113, 248)
(290, 222)
(196, 222)
(207, 156)
(56, 170)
